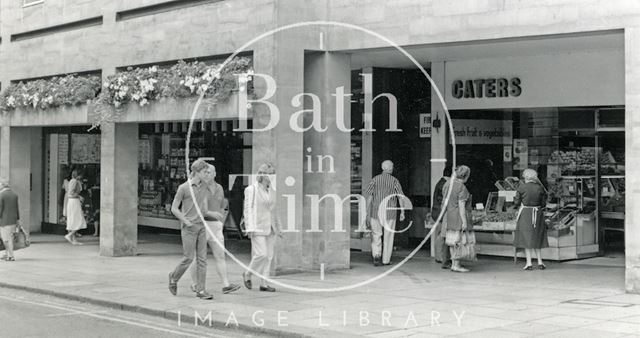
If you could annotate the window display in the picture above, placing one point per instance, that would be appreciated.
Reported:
(162, 166)
(582, 170)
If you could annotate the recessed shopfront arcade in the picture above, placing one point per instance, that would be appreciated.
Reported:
(554, 107)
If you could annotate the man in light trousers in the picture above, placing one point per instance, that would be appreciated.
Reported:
(383, 189)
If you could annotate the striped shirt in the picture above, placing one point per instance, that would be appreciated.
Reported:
(380, 187)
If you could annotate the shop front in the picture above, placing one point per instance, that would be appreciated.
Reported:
(561, 115)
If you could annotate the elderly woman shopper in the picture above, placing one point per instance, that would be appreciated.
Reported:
(531, 232)
(262, 225)
(9, 218)
(458, 214)
(75, 216)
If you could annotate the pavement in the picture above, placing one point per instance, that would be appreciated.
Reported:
(496, 299)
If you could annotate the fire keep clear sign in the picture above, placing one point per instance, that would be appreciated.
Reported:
(425, 125)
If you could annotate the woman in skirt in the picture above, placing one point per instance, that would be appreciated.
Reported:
(75, 216)
(458, 213)
(531, 232)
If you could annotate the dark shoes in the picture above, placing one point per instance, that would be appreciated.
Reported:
(267, 289)
(173, 286)
(377, 261)
(204, 295)
(247, 282)
(527, 268)
(230, 288)
(446, 265)
(542, 267)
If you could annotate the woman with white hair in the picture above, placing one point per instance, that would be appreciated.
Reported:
(262, 225)
(531, 232)
(458, 212)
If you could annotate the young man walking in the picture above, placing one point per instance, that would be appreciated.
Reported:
(215, 216)
(193, 233)
(383, 224)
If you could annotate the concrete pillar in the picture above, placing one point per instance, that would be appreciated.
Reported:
(439, 135)
(327, 163)
(118, 189)
(5, 153)
(21, 157)
(632, 144)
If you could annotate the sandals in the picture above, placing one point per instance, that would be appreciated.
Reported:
(528, 268)
(541, 266)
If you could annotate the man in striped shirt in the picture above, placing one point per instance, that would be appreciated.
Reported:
(384, 188)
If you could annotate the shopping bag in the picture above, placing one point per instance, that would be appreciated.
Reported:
(20, 240)
(466, 252)
(452, 237)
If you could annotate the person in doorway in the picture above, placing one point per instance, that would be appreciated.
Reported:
(531, 232)
(442, 251)
(191, 194)
(214, 217)
(75, 216)
(262, 225)
(65, 196)
(383, 187)
(9, 218)
(458, 211)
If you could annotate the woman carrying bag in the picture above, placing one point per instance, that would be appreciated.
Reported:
(10, 221)
(459, 236)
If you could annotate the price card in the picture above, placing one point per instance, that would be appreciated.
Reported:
(508, 195)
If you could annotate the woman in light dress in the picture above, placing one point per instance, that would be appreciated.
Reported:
(75, 216)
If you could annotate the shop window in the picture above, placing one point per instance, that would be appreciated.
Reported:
(162, 166)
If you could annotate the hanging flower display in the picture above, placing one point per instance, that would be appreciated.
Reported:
(54, 92)
(139, 86)
(182, 80)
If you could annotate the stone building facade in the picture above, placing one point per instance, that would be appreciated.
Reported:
(54, 37)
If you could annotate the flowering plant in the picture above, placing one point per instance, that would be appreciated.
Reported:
(54, 92)
(182, 80)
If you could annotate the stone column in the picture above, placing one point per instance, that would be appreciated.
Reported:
(21, 158)
(118, 189)
(327, 162)
(5, 153)
(632, 145)
(20, 169)
(439, 135)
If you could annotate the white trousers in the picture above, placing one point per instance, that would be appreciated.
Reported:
(378, 232)
(262, 249)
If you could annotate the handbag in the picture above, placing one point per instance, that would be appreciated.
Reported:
(19, 238)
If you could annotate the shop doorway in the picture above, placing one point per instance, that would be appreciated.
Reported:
(409, 149)
(68, 149)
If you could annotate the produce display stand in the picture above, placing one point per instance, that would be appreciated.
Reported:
(580, 240)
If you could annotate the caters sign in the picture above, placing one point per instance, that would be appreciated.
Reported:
(480, 88)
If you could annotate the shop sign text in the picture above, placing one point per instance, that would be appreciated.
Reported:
(489, 88)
